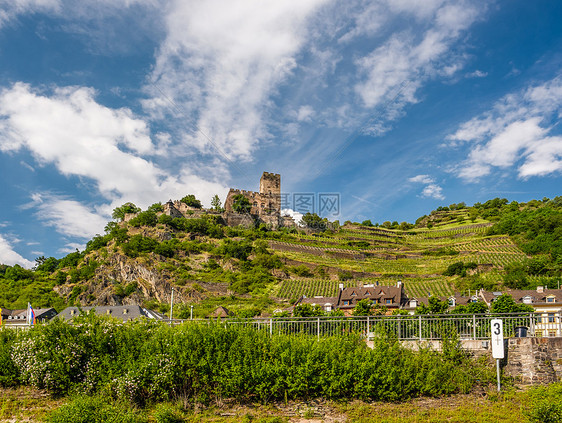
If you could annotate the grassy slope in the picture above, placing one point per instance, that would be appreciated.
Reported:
(396, 255)
(25, 404)
(357, 254)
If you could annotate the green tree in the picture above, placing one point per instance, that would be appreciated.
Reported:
(506, 304)
(307, 310)
(127, 208)
(156, 208)
(241, 204)
(435, 306)
(191, 201)
(313, 221)
(216, 203)
(362, 308)
(515, 276)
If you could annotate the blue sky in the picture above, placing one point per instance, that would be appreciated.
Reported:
(395, 106)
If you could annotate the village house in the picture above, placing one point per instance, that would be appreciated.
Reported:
(124, 313)
(20, 316)
(391, 297)
(547, 302)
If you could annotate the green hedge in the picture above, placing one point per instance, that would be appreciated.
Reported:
(145, 361)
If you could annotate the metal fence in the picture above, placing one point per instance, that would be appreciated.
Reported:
(412, 327)
(408, 327)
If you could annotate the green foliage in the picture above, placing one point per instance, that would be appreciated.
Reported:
(367, 223)
(71, 260)
(156, 208)
(537, 228)
(9, 373)
(18, 273)
(43, 264)
(307, 310)
(363, 308)
(216, 203)
(345, 275)
(442, 251)
(164, 413)
(235, 249)
(139, 244)
(545, 404)
(127, 208)
(241, 204)
(301, 270)
(165, 249)
(435, 306)
(146, 218)
(546, 411)
(313, 221)
(506, 304)
(191, 201)
(144, 362)
(459, 268)
(97, 409)
(477, 307)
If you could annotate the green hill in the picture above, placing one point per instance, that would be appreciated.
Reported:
(256, 271)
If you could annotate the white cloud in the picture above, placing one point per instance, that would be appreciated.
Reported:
(477, 74)
(69, 217)
(10, 257)
(516, 132)
(305, 114)
(71, 247)
(433, 191)
(294, 214)
(70, 130)
(424, 179)
(83, 138)
(220, 62)
(395, 70)
(10, 9)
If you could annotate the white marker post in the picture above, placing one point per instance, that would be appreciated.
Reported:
(497, 345)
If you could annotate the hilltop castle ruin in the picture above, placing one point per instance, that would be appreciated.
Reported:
(265, 204)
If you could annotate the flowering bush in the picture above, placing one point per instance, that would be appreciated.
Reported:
(144, 361)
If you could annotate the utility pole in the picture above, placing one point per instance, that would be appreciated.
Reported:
(172, 306)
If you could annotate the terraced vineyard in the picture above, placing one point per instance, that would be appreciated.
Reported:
(417, 257)
(292, 289)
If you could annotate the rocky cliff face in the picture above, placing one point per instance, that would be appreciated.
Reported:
(116, 274)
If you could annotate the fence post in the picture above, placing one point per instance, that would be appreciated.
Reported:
(420, 327)
(271, 326)
(474, 327)
(318, 327)
(399, 320)
(368, 328)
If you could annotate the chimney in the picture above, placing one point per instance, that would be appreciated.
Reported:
(399, 284)
(341, 286)
(540, 289)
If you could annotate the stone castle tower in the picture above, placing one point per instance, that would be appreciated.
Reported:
(266, 204)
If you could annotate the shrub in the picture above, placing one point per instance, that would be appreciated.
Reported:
(546, 411)
(302, 270)
(96, 409)
(145, 361)
(146, 218)
(165, 413)
(9, 373)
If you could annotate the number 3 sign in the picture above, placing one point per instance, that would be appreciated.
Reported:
(497, 338)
